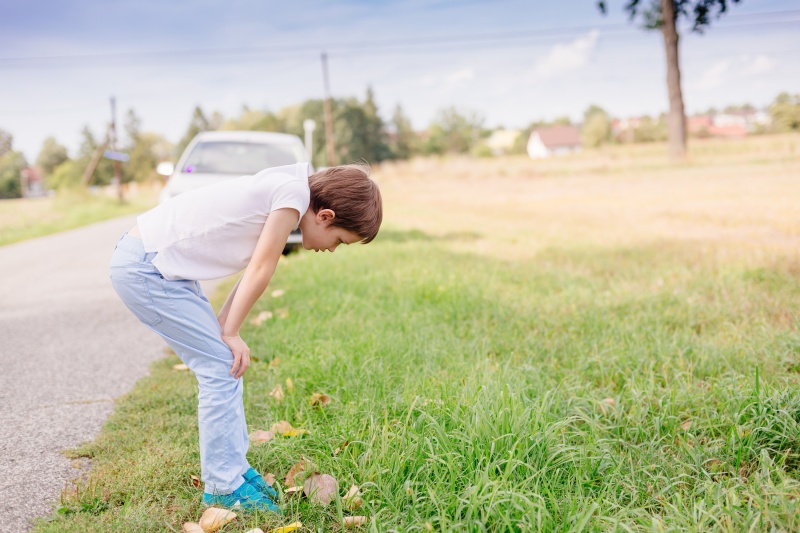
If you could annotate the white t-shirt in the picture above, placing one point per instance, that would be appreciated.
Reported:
(211, 232)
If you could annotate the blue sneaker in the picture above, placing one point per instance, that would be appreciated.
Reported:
(246, 498)
(254, 478)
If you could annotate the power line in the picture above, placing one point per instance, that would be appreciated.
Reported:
(399, 45)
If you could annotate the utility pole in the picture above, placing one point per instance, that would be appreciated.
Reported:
(117, 180)
(329, 141)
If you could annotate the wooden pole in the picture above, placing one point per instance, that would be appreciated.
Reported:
(329, 140)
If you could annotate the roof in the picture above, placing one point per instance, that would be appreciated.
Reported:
(555, 136)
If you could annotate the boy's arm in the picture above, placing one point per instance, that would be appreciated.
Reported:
(254, 281)
(223, 313)
(260, 269)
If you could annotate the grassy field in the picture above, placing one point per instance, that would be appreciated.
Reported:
(26, 218)
(601, 342)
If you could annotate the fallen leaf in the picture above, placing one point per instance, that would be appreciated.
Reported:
(291, 492)
(354, 521)
(269, 479)
(180, 367)
(341, 447)
(262, 317)
(214, 518)
(192, 527)
(289, 385)
(298, 472)
(288, 528)
(686, 425)
(196, 481)
(282, 312)
(320, 488)
(260, 436)
(254, 359)
(428, 526)
(256, 530)
(319, 399)
(277, 293)
(274, 362)
(352, 500)
(285, 429)
(277, 393)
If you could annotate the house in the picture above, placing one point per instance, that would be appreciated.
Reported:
(554, 140)
(502, 141)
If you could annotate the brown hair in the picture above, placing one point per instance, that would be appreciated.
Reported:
(352, 195)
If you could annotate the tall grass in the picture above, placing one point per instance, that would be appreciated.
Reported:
(586, 389)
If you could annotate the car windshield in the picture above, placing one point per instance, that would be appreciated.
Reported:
(226, 157)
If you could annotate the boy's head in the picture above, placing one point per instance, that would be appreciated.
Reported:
(345, 207)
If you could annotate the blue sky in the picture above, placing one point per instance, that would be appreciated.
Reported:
(163, 58)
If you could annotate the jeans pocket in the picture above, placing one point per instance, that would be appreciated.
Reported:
(136, 296)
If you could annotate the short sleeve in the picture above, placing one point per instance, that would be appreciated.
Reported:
(293, 194)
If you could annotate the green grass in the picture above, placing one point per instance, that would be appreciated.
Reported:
(471, 393)
(27, 218)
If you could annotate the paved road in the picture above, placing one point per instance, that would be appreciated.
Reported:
(68, 348)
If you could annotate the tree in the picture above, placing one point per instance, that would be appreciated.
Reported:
(12, 163)
(596, 127)
(6, 142)
(785, 112)
(453, 132)
(50, 156)
(198, 123)
(404, 140)
(143, 149)
(664, 15)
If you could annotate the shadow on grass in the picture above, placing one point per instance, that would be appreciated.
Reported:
(415, 235)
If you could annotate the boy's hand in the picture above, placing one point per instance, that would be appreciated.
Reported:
(241, 355)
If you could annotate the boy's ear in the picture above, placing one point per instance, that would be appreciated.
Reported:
(325, 217)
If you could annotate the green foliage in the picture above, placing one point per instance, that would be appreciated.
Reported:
(50, 156)
(651, 130)
(145, 149)
(596, 127)
(785, 112)
(453, 132)
(698, 12)
(6, 142)
(67, 175)
(197, 123)
(405, 142)
(12, 163)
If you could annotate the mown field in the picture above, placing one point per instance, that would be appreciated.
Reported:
(603, 342)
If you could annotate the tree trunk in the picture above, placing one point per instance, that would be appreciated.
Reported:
(677, 116)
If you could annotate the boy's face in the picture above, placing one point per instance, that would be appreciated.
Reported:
(319, 233)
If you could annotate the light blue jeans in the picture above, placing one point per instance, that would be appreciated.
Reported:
(179, 312)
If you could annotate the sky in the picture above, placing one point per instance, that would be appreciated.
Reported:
(511, 61)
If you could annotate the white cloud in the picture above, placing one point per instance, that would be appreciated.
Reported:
(566, 57)
(757, 65)
(715, 75)
(460, 75)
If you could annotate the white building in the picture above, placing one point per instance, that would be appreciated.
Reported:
(554, 140)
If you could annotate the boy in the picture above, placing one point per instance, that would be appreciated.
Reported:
(216, 231)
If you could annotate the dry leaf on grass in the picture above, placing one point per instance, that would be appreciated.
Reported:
(288, 528)
(192, 527)
(686, 425)
(354, 521)
(289, 385)
(277, 393)
(320, 488)
(269, 478)
(260, 436)
(195, 481)
(214, 518)
(341, 447)
(352, 500)
(256, 530)
(180, 367)
(319, 399)
(291, 492)
(285, 428)
(262, 317)
(299, 471)
(277, 293)
(274, 362)
(282, 312)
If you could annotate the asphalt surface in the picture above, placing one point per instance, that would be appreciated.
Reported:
(68, 349)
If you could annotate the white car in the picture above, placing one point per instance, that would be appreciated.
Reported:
(213, 156)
